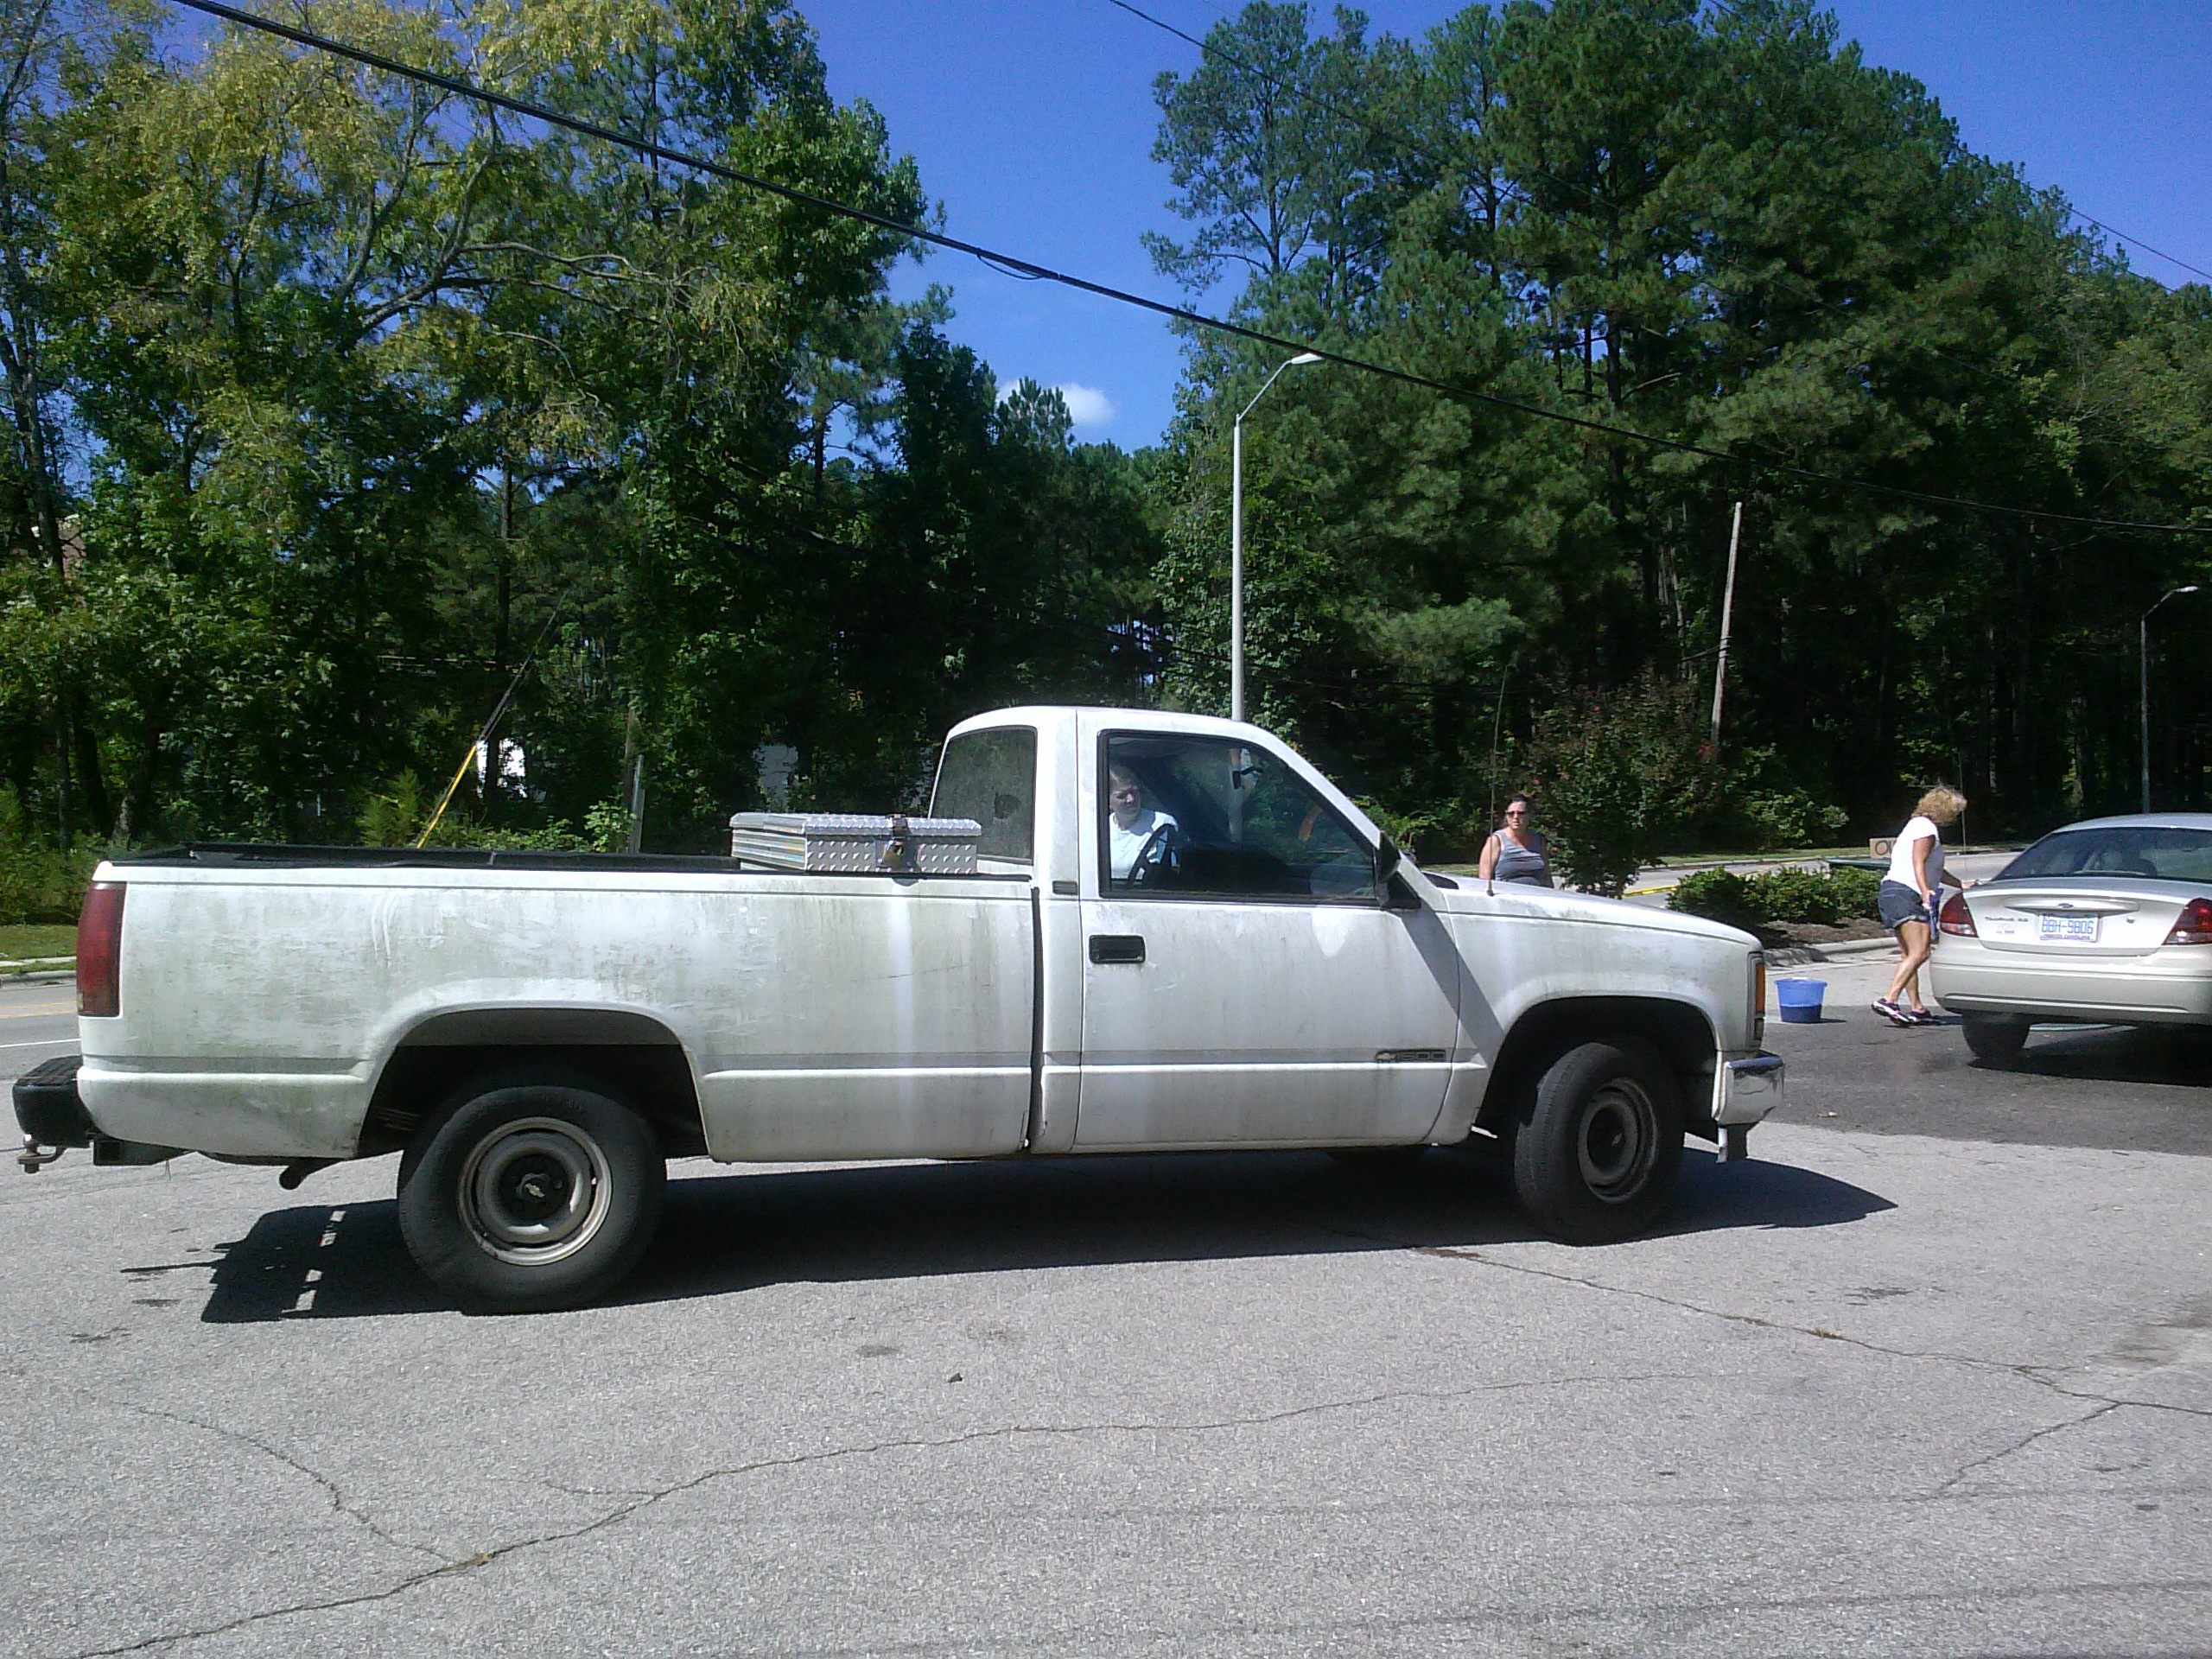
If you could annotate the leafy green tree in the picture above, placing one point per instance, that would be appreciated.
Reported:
(1620, 779)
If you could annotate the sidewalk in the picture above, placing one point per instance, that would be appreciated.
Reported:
(33, 966)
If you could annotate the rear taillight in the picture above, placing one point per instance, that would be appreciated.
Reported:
(1956, 918)
(2193, 924)
(99, 952)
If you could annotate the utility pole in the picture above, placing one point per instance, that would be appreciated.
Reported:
(633, 763)
(1727, 611)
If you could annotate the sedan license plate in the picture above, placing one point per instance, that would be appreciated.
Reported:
(2066, 930)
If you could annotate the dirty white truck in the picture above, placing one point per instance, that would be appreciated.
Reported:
(1173, 934)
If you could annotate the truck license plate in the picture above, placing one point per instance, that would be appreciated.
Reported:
(2066, 930)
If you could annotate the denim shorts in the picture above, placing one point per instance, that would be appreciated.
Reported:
(1899, 904)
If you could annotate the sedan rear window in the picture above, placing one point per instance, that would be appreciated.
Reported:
(2168, 855)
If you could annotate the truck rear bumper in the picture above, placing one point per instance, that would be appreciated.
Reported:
(48, 1109)
(285, 1115)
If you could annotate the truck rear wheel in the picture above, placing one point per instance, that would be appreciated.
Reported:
(531, 1190)
(1597, 1150)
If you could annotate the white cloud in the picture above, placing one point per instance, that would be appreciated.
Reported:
(1087, 405)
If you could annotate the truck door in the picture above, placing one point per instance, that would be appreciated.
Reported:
(1243, 983)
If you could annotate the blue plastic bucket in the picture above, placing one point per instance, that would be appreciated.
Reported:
(1800, 999)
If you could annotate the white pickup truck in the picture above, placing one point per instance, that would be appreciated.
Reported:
(1178, 935)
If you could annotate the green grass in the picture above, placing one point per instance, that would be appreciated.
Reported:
(35, 940)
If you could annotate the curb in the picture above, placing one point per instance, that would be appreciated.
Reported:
(1799, 956)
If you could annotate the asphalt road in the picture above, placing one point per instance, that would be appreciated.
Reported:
(1888, 1388)
(38, 1019)
(2143, 1090)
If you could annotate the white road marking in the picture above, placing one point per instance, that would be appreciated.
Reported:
(51, 1042)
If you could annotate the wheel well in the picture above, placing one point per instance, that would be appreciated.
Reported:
(1682, 1035)
(637, 1058)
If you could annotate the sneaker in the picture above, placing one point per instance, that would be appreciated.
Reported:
(1891, 1012)
(1922, 1017)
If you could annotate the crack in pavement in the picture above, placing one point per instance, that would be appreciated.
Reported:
(330, 1487)
(2036, 1374)
(450, 1568)
(2026, 1441)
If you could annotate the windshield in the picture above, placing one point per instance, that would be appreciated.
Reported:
(2166, 854)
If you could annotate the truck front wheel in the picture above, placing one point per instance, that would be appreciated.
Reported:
(530, 1191)
(1597, 1150)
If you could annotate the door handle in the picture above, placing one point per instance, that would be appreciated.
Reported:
(1117, 947)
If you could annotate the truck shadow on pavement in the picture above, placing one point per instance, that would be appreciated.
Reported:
(726, 1233)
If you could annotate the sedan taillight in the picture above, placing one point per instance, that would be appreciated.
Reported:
(99, 952)
(2193, 924)
(1956, 918)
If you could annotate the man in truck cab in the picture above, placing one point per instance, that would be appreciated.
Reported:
(1133, 825)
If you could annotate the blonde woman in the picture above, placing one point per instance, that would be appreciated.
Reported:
(1910, 894)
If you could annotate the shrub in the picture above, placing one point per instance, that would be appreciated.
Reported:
(1797, 896)
(1717, 895)
(1857, 892)
(1753, 901)
(39, 882)
(44, 884)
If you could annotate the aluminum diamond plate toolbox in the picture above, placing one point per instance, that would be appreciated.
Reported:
(847, 844)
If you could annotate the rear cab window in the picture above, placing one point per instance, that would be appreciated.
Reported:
(991, 776)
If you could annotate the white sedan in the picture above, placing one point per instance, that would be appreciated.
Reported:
(2106, 922)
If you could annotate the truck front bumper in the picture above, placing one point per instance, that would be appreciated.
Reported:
(1747, 1089)
(1744, 1090)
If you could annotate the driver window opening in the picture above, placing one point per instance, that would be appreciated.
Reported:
(1213, 817)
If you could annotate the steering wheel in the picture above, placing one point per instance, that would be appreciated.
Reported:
(1160, 860)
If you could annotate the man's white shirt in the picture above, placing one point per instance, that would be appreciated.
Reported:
(1124, 845)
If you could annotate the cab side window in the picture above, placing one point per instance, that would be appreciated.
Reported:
(1210, 817)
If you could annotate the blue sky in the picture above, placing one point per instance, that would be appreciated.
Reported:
(1033, 120)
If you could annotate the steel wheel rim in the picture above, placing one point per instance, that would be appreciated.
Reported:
(1618, 1141)
(534, 1191)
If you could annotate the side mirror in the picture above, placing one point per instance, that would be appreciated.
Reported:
(1392, 891)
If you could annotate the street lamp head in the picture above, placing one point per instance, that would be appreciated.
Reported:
(2189, 589)
(1315, 357)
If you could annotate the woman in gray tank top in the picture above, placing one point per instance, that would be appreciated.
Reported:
(1516, 852)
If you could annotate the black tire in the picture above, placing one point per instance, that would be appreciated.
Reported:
(531, 1190)
(1994, 1039)
(1597, 1150)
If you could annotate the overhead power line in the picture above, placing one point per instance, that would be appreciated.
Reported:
(2137, 242)
(461, 87)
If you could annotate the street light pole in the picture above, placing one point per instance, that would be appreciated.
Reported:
(2143, 641)
(1236, 538)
